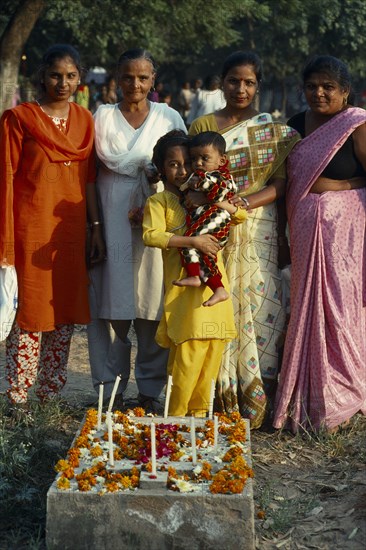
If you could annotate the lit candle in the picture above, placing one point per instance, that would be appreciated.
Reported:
(193, 441)
(212, 398)
(100, 406)
(167, 396)
(110, 438)
(114, 391)
(153, 450)
(216, 431)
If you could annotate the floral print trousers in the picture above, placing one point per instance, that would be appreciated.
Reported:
(37, 355)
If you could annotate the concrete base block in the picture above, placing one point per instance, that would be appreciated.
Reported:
(141, 521)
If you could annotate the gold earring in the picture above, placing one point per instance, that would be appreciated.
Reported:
(345, 100)
(78, 81)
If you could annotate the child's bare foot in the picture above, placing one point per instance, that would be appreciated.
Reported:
(188, 281)
(220, 295)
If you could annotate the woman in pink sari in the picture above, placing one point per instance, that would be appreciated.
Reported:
(323, 377)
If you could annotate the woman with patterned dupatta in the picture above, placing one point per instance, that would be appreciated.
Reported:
(257, 149)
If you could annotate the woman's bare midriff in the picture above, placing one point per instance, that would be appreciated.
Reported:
(325, 184)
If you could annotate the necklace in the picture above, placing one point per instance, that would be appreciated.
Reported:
(60, 123)
(62, 117)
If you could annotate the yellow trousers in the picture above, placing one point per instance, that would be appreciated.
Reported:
(193, 365)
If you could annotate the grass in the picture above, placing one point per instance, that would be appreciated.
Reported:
(294, 474)
(28, 453)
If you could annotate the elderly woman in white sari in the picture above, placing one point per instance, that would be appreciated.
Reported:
(128, 286)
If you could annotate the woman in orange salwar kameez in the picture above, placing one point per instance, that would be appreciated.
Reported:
(46, 189)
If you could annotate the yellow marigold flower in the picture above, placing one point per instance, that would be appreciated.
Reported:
(63, 483)
(62, 465)
(125, 482)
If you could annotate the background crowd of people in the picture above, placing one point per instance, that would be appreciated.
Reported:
(315, 164)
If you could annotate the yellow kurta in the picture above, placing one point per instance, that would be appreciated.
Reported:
(184, 316)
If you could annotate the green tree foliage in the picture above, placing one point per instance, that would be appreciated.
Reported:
(298, 29)
(175, 31)
(184, 33)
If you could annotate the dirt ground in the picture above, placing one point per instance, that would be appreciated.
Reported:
(310, 492)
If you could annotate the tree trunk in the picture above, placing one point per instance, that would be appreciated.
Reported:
(284, 99)
(12, 43)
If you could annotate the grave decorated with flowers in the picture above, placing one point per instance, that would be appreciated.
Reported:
(112, 492)
(136, 481)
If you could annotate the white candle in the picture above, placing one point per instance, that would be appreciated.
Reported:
(193, 441)
(212, 398)
(114, 391)
(110, 438)
(153, 450)
(167, 396)
(216, 431)
(100, 406)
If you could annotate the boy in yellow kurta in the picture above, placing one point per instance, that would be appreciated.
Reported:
(196, 335)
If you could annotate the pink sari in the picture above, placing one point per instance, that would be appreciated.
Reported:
(323, 377)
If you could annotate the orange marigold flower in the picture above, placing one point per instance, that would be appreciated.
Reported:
(118, 455)
(84, 485)
(69, 473)
(112, 486)
(139, 411)
(96, 451)
(82, 441)
(74, 455)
